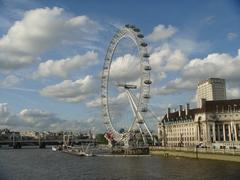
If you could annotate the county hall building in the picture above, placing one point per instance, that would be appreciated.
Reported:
(214, 123)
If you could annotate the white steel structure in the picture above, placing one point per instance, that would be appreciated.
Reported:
(138, 102)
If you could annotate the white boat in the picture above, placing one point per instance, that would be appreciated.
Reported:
(82, 153)
(54, 148)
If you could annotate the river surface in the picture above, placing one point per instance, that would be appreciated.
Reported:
(43, 164)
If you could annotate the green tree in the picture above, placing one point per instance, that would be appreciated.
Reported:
(101, 139)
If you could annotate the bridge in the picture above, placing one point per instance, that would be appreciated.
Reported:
(42, 143)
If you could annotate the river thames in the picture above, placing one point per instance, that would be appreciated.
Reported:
(43, 164)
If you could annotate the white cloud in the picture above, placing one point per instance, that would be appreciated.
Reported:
(94, 103)
(209, 19)
(233, 93)
(10, 81)
(161, 32)
(231, 36)
(125, 68)
(214, 65)
(4, 111)
(63, 67)
(72, 91)
(190, 45)
(165, 59)
(175, 86)
(36, 119)
(39, 31)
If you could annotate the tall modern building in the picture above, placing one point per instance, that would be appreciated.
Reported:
(211, 89)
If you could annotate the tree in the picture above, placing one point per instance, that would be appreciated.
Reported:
(101, 139)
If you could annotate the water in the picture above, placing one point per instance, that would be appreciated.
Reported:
(43, 164)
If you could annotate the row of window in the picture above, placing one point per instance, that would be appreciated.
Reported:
(179, 139)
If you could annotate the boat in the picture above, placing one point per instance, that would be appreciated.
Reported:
(54, 148)
(82, 153)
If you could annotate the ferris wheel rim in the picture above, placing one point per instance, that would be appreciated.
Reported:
(145, 68)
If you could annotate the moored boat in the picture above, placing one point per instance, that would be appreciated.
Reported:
(54, 148)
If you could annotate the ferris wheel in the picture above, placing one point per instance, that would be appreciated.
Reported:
(138, 102)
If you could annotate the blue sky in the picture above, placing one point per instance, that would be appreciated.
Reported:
(51, 49)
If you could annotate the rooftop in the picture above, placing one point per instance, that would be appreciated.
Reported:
(217, 106)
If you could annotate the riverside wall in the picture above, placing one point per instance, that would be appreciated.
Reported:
(198, 153)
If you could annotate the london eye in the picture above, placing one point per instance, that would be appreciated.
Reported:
(138, 95)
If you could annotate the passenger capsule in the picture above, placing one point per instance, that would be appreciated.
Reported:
(147, 68)
(136, 30)
(148, 82)
(144, 109)
(105, 67)
(140, 36)
(146, 96)
(132, 26)
(146, 55)
(140, 121)
(103, 96)
(127, 25)
(143, 44)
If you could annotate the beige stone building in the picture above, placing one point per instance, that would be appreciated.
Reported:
(30, 134)
(216, 124)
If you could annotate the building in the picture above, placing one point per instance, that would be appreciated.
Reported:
(30, 134)
(215, 124)
(211, 89)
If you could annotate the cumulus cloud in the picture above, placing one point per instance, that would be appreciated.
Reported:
(209, 19)
(165, 59)
(72, 91)
(175, 86)
(40, 30)
(94, 103)
(231, 36)
(36, 119)
(233, 93)
(161, 32)
(10, 81)
(4, 111)
(63, 67)
(214, 65)
(125, 68)
(190, 45)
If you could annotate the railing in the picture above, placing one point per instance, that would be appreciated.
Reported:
(42, 143)
(195, 149)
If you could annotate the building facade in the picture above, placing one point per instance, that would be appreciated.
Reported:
(211, 89)
(215, 124)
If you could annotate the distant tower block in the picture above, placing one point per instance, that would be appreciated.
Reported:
(211, 89)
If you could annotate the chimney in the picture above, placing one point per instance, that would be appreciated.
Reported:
(180, 110)
(168, 113)
(187, 109)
